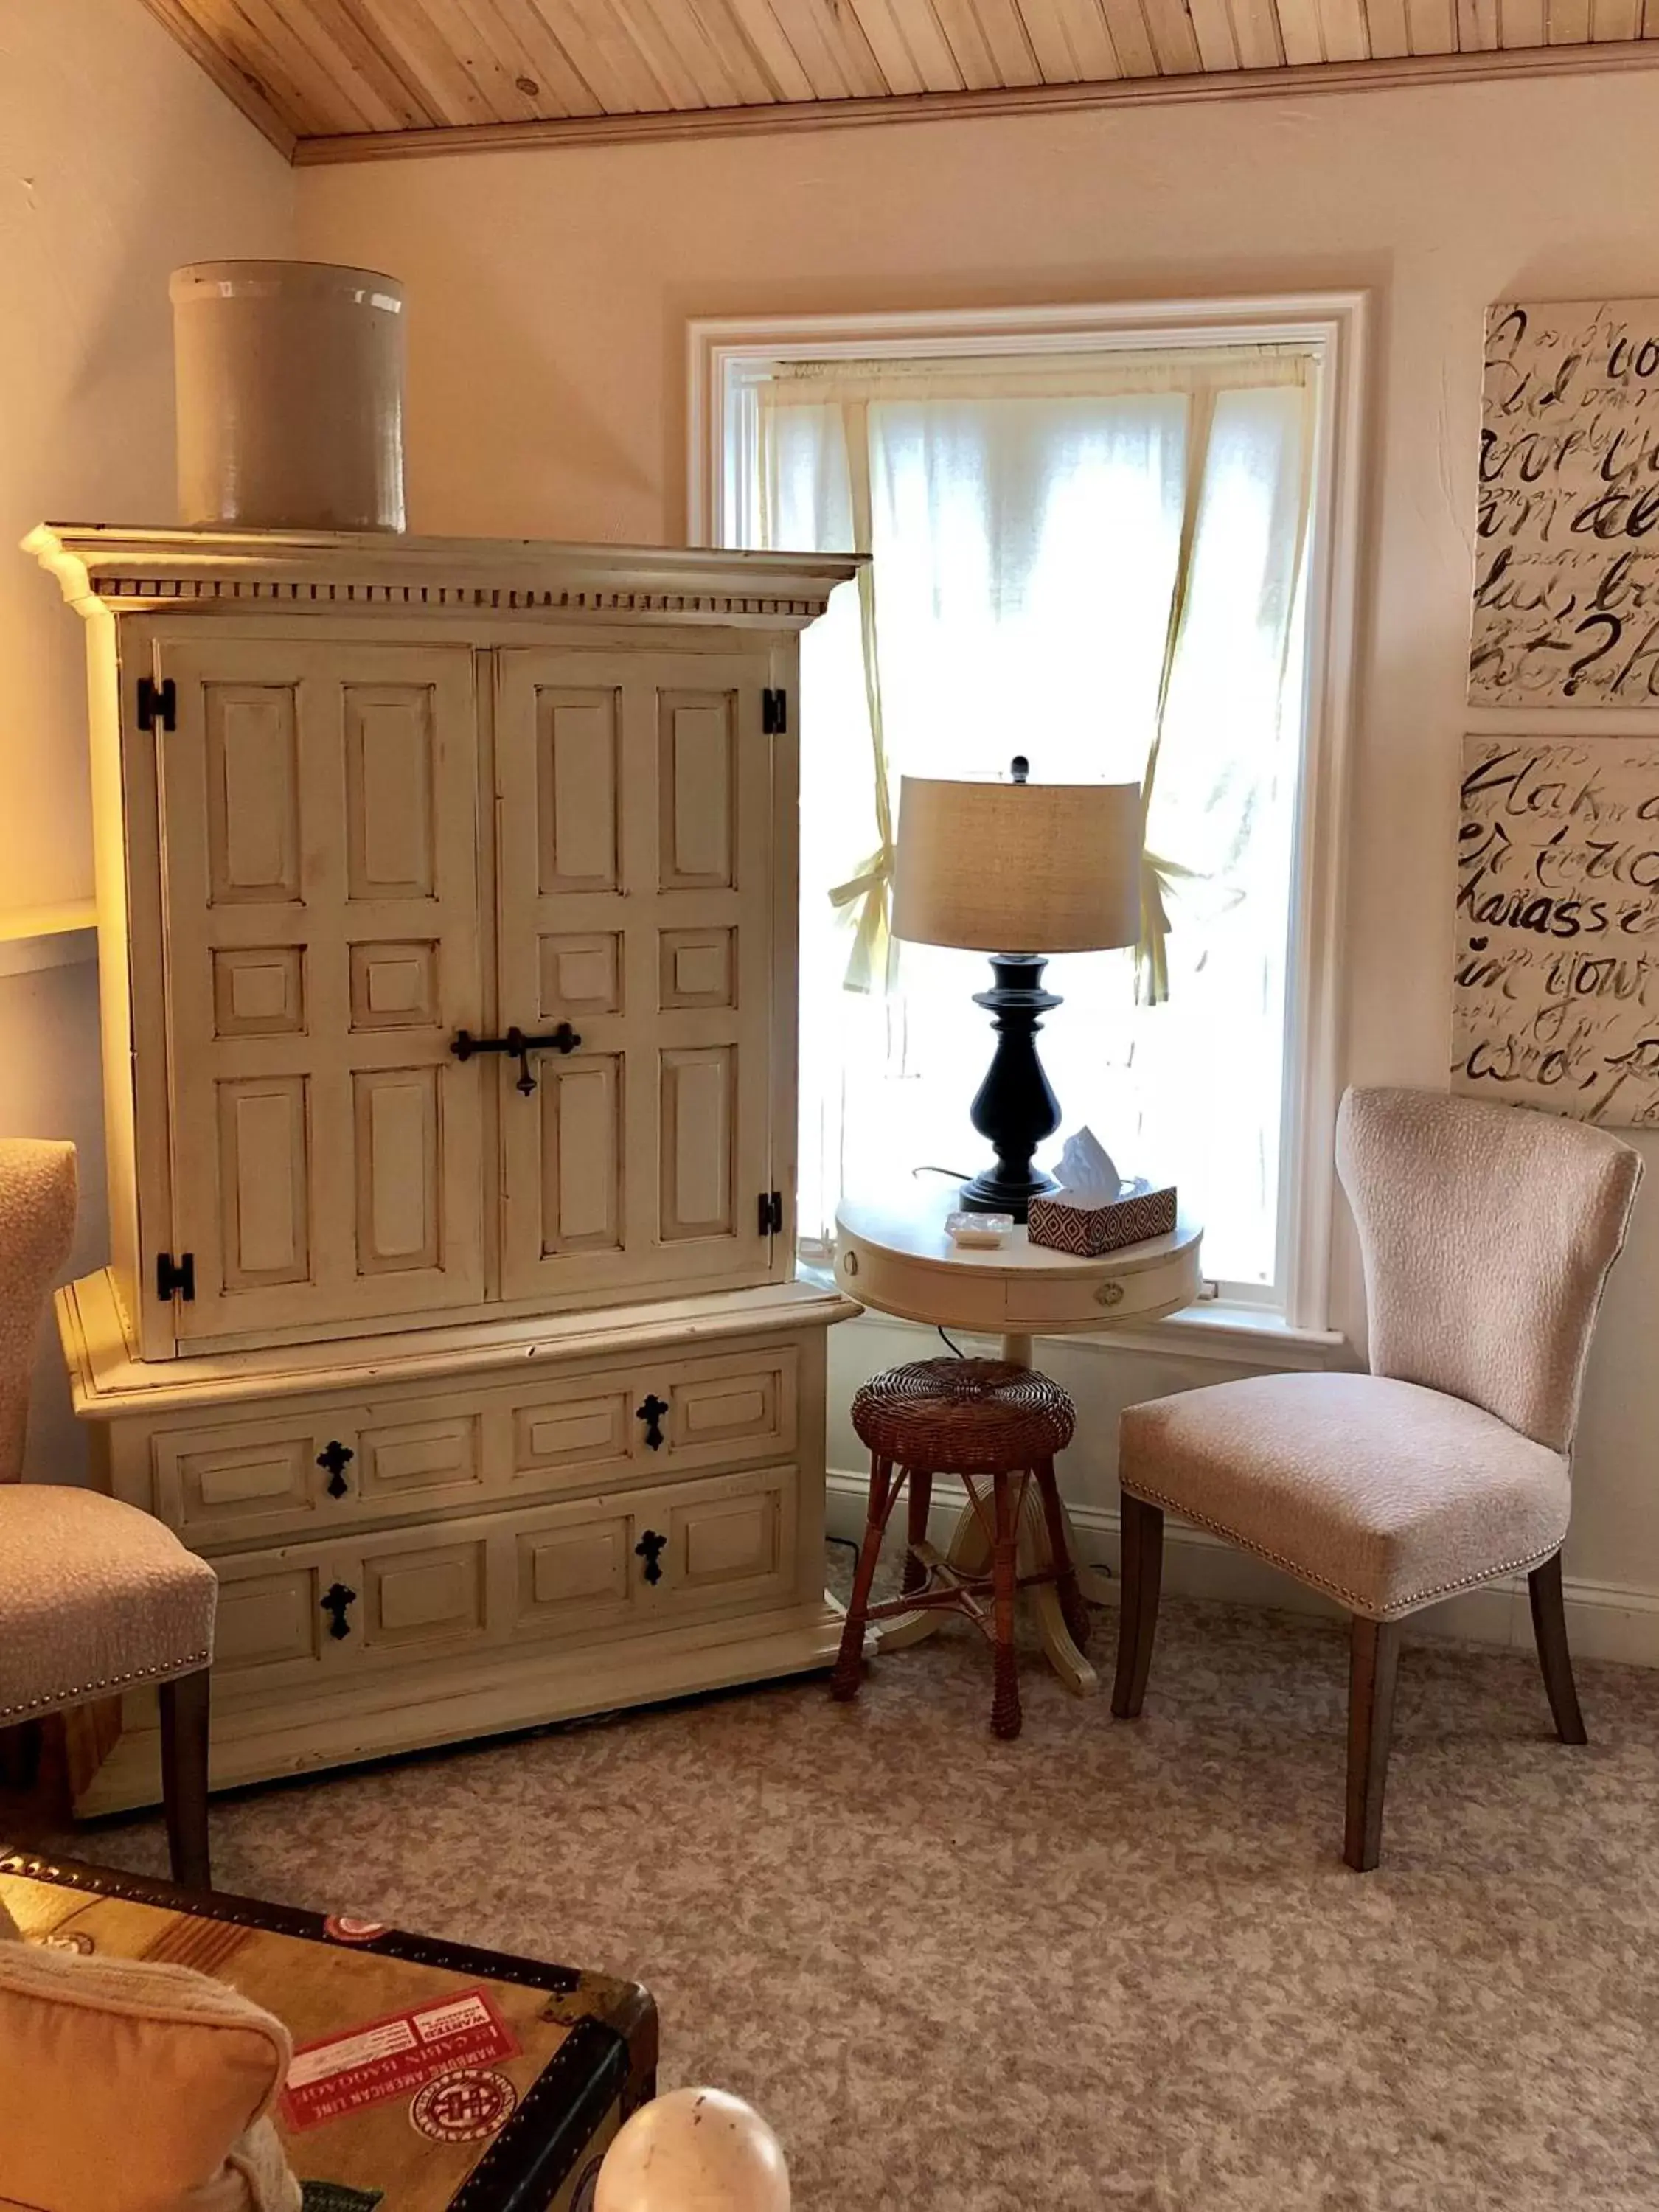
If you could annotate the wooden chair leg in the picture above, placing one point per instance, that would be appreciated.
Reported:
(1072, 1610)
(20, 1755)
(850, 1660)
(1142, 1574)
(1373, 1666)
(1549, 1629)
(184, 1777)
(1006, 1715)
(922, 1498)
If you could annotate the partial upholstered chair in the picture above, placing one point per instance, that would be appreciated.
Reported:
(95, 1596)
(1487, 1234)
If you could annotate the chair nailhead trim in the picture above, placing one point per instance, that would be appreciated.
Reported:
(58, 1698)
(1355, 1603)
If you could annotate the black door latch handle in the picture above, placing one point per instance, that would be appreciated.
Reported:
(464, 1044)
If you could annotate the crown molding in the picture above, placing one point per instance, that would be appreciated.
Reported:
(1403, 72)
(106, 566)
(242, 90)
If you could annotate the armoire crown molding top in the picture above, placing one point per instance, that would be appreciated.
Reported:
(103, 564)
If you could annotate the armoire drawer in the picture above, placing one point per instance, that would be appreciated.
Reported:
(321, 1470)
(649, 1557)
(310, 1472)
(658, 1416)
(620, 1562)
(246, 1479)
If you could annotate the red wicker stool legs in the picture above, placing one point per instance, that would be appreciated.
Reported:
(1005, 1716)
(1072, 1610)
(884, 1480)
(922, 1497)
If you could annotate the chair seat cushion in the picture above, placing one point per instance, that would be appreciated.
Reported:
(1386, 1495)
(94, 1595)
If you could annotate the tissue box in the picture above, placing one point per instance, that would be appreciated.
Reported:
(1087, 1231)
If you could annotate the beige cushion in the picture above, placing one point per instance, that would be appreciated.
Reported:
(127, 2086)
(37, 1226)
(1487, 1233)
(1383, 1494)
(93, 1594)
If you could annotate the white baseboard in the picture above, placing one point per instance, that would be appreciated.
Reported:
(1605, 1620)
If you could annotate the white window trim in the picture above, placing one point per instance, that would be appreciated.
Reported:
(729, 356)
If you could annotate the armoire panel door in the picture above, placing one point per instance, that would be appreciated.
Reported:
(635, 885)
(320, 888)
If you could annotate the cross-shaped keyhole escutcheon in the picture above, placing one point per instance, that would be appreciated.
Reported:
(336, 1603)
(334, 1459)
(651, 1412)
(650, 1548)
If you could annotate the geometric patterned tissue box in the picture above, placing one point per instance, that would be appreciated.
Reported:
(1087, 1231)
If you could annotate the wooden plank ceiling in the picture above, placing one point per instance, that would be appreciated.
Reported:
(343, 79)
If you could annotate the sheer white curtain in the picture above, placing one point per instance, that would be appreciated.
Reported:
(1094, 563)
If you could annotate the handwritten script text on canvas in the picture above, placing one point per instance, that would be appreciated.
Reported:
(1556, 993)
(1566, 593)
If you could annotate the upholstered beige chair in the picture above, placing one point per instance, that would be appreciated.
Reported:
(1487, 1233)
(95, 1596)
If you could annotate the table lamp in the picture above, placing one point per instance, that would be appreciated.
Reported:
(1055, 868)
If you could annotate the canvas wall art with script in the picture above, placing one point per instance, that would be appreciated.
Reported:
(1556, 1002)
(1566, 588)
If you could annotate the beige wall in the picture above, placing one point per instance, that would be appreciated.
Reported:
(119, 160)
(548, 297)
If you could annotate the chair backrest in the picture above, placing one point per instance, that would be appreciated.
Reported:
(37, 1227)
(1487, 1233)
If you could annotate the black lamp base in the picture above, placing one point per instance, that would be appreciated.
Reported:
(990, 1193)
(1016, 1107)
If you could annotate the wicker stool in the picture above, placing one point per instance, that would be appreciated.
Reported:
(973, 1418)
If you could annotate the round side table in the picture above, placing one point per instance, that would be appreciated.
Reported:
(892, 1253)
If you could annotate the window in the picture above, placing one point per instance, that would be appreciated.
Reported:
(1110, 543)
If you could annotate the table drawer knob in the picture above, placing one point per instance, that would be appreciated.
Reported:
(1109, 1294)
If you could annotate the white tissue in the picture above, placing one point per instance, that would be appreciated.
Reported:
(1087, 1174)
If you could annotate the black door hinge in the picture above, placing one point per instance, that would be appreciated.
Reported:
(771, 1213)
(175, 1277)
(774, 714)
(157, 702)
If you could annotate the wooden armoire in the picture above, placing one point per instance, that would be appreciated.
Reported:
(447, 898)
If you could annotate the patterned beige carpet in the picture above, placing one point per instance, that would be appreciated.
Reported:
(1108, 1965)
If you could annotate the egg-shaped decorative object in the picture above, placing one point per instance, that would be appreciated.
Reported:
(694, 2150)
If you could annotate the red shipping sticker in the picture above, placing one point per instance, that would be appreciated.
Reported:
(383, 2058)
